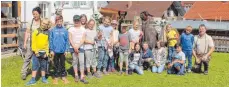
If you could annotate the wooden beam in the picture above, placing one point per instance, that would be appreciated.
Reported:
(8, 35)
(8, 19)
(9, 45)
(108, 11)
(10, 26)
(19, 9)
(6, 5)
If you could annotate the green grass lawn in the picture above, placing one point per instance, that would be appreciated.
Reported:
(218, 77)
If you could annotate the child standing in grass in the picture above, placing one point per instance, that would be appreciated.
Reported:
(114, 58)
(58, 40)
(40, 48)
(124, 48)
(76, 38)
(172, 36)
(104, 44)
(91, 61)
(160, 58)
(187, 40)
(178, 61)
(135, 60)
(136, 34)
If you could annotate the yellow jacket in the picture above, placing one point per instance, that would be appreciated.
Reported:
(40, 42)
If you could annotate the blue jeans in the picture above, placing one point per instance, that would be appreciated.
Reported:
(188, 54)
(103, 58)
(39, 63)
(159, 69)
(136, 68)
(173, 69)
(171, 53)
(111, 64)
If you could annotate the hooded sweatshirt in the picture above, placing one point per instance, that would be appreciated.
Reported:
(58, 40)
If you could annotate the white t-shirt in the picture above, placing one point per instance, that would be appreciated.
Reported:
(134, 34)
(90, 36)
(180, 56)
(77, 35)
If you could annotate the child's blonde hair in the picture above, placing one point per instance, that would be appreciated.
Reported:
(49, 23)
(188, 26)
(106, 17)
(91, 20)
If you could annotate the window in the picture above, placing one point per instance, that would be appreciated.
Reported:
(67, 4)
(45, 9)
(76, 4)
(81, 4)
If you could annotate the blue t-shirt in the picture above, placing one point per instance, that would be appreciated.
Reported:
(179, 56)
(148, 54)
(106, 31)
(186, 41)
(58, 40)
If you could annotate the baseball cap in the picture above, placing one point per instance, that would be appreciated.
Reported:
(76, 18)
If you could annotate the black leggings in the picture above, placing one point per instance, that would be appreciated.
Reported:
(199, 65)
(59, 65)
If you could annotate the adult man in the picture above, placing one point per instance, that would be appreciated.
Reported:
(150, 33)
(202, 49)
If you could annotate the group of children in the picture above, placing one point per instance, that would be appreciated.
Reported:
(114, 49)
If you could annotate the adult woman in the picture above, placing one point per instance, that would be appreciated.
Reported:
(31, 26)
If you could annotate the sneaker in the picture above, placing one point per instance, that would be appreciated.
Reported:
(76, 79)
(99, 73)
(127, 72)
(109, 70)
(96, 75)
(180, 74)
(44, 80)
(105, 72)
(31, 82)
(120, 72)
(84, 81)
(89, 75)
(55, 81)
(189, 70)
(205, 72)
(113, 70)
(23, 76)
(130, 72)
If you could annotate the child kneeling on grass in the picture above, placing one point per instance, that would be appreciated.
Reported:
(40, 48)
(160, 58)
(147, 56)
(178, 62)
(135, 60)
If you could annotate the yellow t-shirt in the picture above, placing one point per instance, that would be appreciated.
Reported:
(172, 34)
(40, 42)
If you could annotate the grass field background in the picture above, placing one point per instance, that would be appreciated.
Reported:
(218, 76)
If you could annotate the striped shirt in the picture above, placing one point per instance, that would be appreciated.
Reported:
(77, 35)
